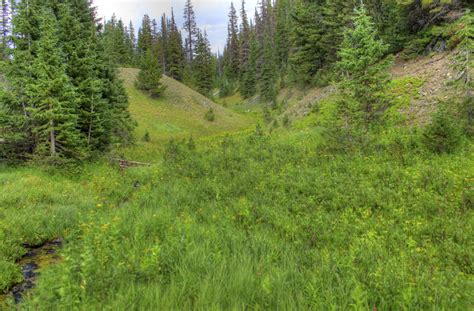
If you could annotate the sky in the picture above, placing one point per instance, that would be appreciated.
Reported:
(211, 15)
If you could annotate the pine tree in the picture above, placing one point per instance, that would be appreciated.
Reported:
(149, 77)
(175, 53)
(164, 41)
(145, 37)
(282, 35)
(52, 97)
(190, 27)
(337, 16)
(130, 45)
(308, 55)
(203, 65)
(18, 127)
(4, 28)
(115, 37)
(96, 99)
(233, 48)
(248, 86)
(244, 38)
(91, 70)
(268, 75)
(364, 75)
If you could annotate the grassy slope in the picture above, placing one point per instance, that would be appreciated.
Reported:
(179, 115)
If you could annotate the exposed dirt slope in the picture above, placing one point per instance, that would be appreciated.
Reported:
(435, 71)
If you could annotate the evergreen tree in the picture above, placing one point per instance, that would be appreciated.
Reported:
(4, 27)
(130, 44)
(103, 106)
(149, 77)
(164, 41)
(233, 48)
(175, 53)
(248, 86)
(145, 37)
(52, 97)
(268, 75)
(308, 55)
(337, 15)
(364, 76)
(98, 102)
(190, 27)
(202, 65)
(18, 126)
(115, 37)
(443, 134)
(282, 35)
(244, 38)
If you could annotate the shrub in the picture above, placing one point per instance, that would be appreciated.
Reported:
(210, 116)
(443, 134)
(286, 120)
(146, 137)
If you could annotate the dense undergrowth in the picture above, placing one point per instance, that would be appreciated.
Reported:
(251, 222)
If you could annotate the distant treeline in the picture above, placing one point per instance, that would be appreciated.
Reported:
(286, 41)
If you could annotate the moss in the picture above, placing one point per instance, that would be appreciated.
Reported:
(401, 93)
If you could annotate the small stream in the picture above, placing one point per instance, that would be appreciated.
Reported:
(36, 258)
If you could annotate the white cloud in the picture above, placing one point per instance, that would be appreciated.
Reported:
(210, 14)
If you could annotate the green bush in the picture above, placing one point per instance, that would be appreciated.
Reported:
(443, 134)
(210, 115)
(146, 137)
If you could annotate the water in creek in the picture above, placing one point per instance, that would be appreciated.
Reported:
(36, 258)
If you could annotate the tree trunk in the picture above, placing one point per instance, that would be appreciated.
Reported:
(52, 137)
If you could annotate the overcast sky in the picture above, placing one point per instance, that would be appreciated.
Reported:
(210, 14)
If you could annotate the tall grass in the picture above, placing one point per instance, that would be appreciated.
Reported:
(254, 222)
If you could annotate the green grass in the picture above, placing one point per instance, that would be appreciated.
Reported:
(245, 221)
(180, 114)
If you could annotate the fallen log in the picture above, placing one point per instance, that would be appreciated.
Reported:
(127, 163)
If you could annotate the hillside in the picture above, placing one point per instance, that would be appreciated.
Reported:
(421, 83)
(180, 114)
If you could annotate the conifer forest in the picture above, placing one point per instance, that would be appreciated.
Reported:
(278, 155)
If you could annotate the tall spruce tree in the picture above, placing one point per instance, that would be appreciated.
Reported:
(175, 52)
(164, 41)
(98, 102)
(130, 45)
(53, 99)
(248, 85)
(364, 74)
(145, 37)
(244, 39)
(268, 76)
(190, 27)
(282, 34)
(4, 27)
(308, 54)
(115, 38)
(103, 106)
(149, 77)
(233, 47)
(18, 127)
(203, 65)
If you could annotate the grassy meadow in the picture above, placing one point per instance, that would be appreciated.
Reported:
(247, 220)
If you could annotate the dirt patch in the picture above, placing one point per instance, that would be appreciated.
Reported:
(436, 71)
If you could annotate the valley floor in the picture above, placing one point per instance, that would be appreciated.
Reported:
(245, 221)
